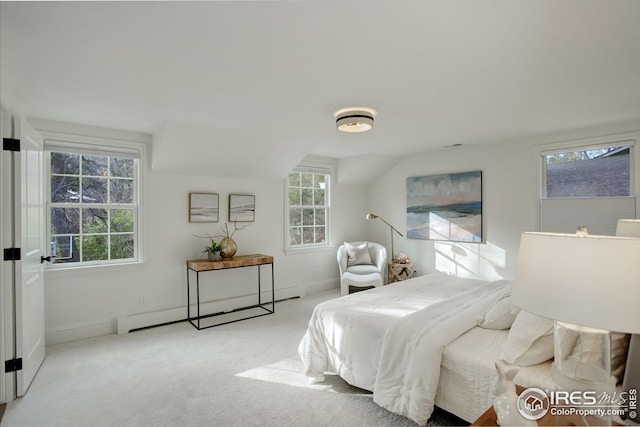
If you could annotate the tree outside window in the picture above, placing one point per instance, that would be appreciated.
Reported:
(93, 207)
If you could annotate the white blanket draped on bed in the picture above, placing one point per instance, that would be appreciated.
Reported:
(390, 340)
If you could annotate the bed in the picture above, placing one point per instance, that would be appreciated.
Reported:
(416, 344)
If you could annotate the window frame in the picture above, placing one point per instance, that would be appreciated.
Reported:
(103, 147)
(323, 169)
(541, 151)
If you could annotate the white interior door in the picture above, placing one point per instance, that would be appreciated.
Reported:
(30, 230)
(7, 341)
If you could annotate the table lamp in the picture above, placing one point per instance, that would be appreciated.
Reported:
(631, 228)
(589, 285)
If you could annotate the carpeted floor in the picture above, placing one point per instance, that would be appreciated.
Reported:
(242, 374)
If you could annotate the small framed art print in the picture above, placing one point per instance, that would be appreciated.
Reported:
(242, 207)
(204, 207)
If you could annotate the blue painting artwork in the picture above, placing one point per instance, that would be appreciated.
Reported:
(445, 207)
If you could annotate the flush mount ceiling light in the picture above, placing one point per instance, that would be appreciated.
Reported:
(354, 119)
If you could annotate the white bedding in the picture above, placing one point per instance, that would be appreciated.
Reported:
(390, 340)
(468, 374)
(467, 378)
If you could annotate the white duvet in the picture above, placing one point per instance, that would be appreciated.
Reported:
(389, 340)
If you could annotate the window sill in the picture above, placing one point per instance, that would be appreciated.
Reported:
(309, 249)
(97, 268)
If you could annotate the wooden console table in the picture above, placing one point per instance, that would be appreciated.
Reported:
(201, 265)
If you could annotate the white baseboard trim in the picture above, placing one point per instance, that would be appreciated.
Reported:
(128, 323)
(124, 324)
(79, 331)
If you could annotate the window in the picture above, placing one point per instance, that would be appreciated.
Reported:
(308, 207)
(588, 185)
(93, 205)
(588, 172)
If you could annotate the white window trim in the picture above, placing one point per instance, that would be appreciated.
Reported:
(123, 143)
(310, 164)
(539, 151)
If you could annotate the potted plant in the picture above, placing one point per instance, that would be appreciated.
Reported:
(227, 247)
(212, 251)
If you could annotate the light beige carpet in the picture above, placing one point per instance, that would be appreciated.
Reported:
(242, 374)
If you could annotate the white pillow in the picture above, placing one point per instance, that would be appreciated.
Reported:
(357, 255)
(500, 315)
(530, 340)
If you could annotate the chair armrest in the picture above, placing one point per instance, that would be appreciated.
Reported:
(381, 259)
(342, 259)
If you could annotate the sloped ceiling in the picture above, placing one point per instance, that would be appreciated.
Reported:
(206, 150)
(251, 87)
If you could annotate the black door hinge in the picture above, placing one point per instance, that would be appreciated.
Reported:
(10, 144)
(12, 254)
(13, 365)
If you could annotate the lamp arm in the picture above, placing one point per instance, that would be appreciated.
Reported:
(392, 227)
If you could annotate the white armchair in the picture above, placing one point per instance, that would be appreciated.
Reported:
(362, 272)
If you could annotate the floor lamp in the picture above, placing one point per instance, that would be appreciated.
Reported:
(631, 228)
(589, 285)
(374, 216)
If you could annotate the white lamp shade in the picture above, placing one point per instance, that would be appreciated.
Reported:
(628, 228)
(589, 281)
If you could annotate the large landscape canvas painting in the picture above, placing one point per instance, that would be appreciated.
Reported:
(445, 207)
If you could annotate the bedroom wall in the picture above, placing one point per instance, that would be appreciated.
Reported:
(509, 202)
(86, 302)
(508, 209)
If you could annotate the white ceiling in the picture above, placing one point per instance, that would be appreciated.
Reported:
(223, 82)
